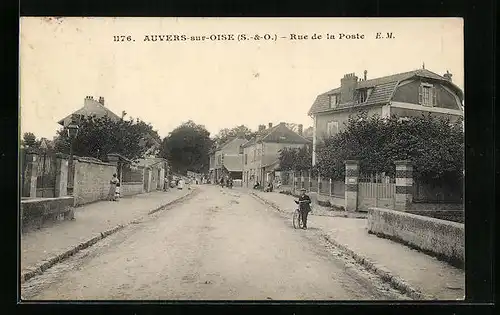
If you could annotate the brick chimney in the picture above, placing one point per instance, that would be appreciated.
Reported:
(101, 100)
(347, 87)
(300, 128)
(447, 76)
(88, 100)
(270, 125)
(364, 74)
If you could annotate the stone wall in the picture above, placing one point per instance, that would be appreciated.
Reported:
(91, 181)
(37, 213)
(444, 239)
(130, 189)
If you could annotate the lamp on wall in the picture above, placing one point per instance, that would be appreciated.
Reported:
(72, 130)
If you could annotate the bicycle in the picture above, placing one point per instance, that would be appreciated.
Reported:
(297, 220)
(297, 217)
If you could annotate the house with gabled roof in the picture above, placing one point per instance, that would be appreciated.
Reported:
(226, 160)
(91, 107)
(261, 153)
(407, 94)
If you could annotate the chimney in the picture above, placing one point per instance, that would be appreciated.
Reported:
(101, 100)
(365, 73)
(88, 100)
(447, 76)
(262, 127)
(348, 85)
(300, 128)
(270, 125)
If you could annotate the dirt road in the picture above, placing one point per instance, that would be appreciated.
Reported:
(219, 245)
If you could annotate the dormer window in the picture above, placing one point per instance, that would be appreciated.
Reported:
(334, 100)
(427, 95)
(363, 95)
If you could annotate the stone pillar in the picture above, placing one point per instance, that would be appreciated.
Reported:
(150, 179)
(162, 178)
(404, 185)
(310, 181)
(319, 183)
(330, 187)
(61, 177)
(351, 185)
(30, 175)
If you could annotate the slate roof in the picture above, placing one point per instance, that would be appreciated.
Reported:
(383, 89)
(277, 134)
(99, 111)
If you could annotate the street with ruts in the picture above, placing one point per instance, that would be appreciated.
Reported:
(217, 244)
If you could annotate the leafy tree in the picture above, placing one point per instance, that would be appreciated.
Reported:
(187, 147)
(29, 140)
(227, 133)
(295, 159)
(434, 146)
(98, 137)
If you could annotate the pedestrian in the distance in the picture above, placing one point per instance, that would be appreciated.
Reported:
(114, 188)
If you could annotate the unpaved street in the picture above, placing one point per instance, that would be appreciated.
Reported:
(221, 244)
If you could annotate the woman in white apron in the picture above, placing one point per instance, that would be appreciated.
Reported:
(180, 185)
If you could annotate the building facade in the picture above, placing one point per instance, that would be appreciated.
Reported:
(227, 160)
(91, 107)
(261, 153)
(405, 94)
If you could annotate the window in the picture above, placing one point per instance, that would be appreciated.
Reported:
(246, 158)
(427, 95)
(332, 128)
(363, 94)
(334, 100)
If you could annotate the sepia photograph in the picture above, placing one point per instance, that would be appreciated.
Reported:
(241, 159)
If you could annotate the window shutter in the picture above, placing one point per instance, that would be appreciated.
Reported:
(434, 96)
(420, 95)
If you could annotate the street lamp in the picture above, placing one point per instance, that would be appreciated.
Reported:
(72, 133)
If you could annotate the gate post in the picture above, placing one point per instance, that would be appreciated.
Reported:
(309, 182)
(351, 185)
(30, 175)
(61, 177)
(319, 183)
(330, 188)
(404, 185)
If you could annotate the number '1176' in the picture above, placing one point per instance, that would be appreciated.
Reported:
(122, 38)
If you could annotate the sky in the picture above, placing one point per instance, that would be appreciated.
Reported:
(220, 84)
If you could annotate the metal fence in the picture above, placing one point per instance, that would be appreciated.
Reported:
(46, 175)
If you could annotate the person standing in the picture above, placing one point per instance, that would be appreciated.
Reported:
(114, 185)
(304, 206)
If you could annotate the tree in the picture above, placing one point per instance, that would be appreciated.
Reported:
(186, 148)
(434, 146)
(98, 137)
(29, 140)
(227, 133)
(295, 159)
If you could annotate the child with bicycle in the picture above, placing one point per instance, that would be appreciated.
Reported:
(304, 203)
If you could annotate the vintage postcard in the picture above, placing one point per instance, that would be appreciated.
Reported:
(241, 159)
